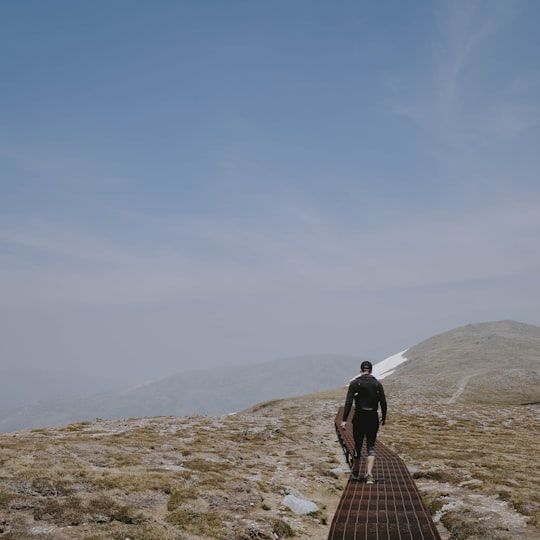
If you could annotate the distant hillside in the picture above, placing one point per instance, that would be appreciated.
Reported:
(492, 362)
(211, 391)
(20, 387)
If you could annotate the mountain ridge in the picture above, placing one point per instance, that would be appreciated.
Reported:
(469, 362)
(212, 391)
(464, 363)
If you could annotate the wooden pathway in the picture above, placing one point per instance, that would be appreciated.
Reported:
(390, 509)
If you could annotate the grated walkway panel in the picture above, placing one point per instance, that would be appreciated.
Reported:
(390, 509)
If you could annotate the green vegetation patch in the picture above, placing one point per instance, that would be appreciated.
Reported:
(282, 529)
(204, 465)
(180, 496)
(73, 511)
(201, 523)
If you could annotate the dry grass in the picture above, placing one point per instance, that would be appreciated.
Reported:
(224, 478)
(171, 478)
(475, 463)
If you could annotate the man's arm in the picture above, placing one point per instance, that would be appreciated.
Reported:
(348, 404)
(382, 401)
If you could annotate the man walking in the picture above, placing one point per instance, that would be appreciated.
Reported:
(367, 393)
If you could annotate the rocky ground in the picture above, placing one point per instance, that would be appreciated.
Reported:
(475, 464)
(275, 471)
(176, 477)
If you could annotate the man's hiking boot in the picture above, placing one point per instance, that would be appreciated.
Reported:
(369, 479)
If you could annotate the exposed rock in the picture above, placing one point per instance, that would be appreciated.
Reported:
(299, 505)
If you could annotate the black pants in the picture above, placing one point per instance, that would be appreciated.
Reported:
(365, 424)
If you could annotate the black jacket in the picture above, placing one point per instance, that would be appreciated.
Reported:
(367, 393)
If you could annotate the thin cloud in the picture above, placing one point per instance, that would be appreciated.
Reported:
(463, 34)
(306, 252)
(465, 30)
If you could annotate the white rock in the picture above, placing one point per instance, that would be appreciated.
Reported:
(299, 505)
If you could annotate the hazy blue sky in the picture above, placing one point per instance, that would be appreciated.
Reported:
(192, 183)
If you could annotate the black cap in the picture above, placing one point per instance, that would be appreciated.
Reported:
(366, 366)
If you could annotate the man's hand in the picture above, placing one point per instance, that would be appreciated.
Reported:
(383, 421)
(343, 425)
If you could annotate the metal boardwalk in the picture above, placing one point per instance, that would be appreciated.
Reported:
(390, 509)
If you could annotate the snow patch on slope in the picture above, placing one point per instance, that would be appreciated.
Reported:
(387, 366)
